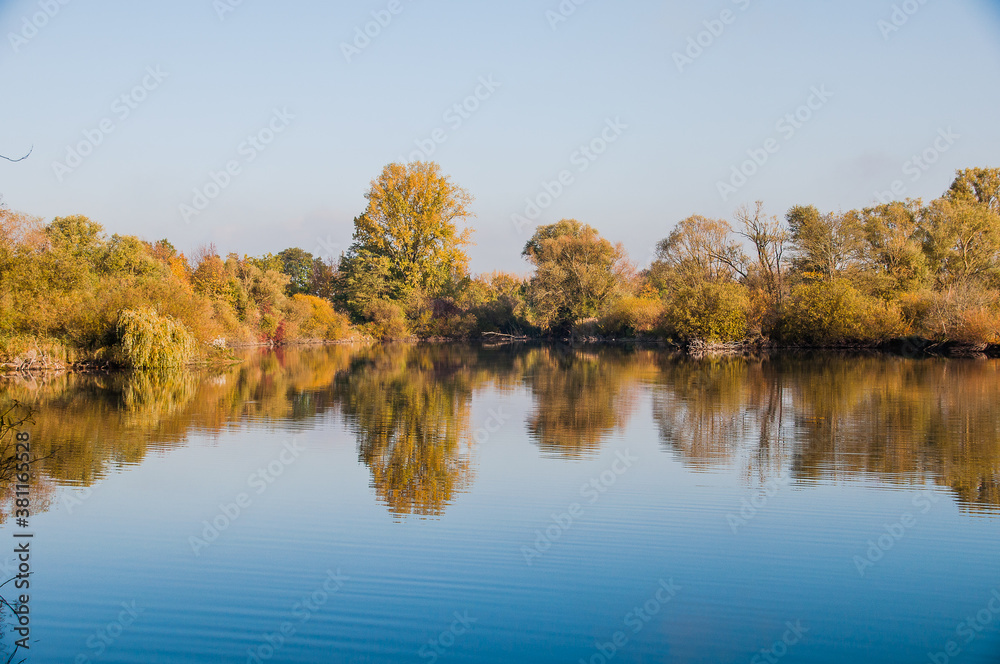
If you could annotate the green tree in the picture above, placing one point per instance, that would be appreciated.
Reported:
(75, 246)
(298, 265)
(577, 272)
(834, 312)
(367, 279)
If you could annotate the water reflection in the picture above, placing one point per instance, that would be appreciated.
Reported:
(581, 396)
(816, 417)
(719, 411)
(827, 417)
(409, 408)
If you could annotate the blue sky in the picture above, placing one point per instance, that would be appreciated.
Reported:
(278, 71)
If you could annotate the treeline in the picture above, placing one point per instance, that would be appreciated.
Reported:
(69, 291)
(863, 276)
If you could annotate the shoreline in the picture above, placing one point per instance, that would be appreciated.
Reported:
(908, 348)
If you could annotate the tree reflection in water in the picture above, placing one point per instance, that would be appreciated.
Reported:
(816, 417)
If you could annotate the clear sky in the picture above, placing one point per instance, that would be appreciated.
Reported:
(199, 77)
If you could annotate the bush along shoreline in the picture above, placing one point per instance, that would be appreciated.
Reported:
(906, 277)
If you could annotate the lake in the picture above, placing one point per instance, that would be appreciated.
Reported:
(452, 503)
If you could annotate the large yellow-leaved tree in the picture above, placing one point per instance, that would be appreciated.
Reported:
(408, 237)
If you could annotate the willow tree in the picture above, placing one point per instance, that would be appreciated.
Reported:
(411, 228)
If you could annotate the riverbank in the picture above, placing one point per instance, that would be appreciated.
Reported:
(36, 362)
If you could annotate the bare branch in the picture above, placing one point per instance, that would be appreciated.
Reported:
(30, 150)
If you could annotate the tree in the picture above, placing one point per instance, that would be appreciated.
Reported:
(176, 263)
(892, 248)
(75, 248)
(367, 279)
(323, 278)
(698, 249)
(834, 311)
(298, 265)
(962, 241)
(577, 272)
(76, 235)
(210, 279)
(18, 229)
(411, 226)
(977, 185)
(822, 244)
(769, 241)
(127, 255)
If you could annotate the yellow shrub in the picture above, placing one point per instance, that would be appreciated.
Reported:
(835, 312)
(316, 319)
(632, 315)
(388, 322)
(711, 311)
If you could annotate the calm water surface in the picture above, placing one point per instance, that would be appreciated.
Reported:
(530, 504)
